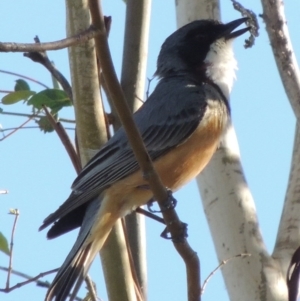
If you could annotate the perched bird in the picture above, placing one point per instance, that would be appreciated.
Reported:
(181, 124)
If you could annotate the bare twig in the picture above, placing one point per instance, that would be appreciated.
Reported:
(30, 279)
(138, 291)
(42, 58)
(65, 140)
(35, 115)
(223, 262)
(19, 127)
(6, 91)
(30, 128)
(150, 215)
(91, 288)
(25, 77)
(159, 191)
(15, 212)
(30, 47)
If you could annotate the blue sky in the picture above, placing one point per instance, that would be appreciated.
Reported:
(38, 174)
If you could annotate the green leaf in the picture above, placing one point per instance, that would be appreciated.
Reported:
(45, 125)
(54, 99)
(3, 244)
(16, 96)
(21, 85)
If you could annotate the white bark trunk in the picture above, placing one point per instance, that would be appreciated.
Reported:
(230, 209)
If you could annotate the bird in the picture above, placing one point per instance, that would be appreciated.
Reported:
(181, 124)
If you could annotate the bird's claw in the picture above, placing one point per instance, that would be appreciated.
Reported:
(170, 203)
(176, 239)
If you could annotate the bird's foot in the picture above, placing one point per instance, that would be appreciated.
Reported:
(170, 203)
(178, 238)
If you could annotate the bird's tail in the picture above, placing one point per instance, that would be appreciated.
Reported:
(77, 263)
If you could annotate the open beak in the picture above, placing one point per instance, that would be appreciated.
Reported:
(228, 32)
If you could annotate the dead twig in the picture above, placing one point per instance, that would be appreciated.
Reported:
(65, 140)
(82, 37)
(223, 262)
(16, 213)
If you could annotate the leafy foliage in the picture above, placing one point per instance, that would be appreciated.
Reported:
(54, 99)
(4, 244)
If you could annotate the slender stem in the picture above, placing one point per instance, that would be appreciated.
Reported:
(65, 140)
(31, 127)
(159, 191)
(30, 279)
(16, 214)
(19, 127)
(82, 37)
(223, 262)
(42, 58)
(35, 115)
(25, 77)
(137, 287)
(91, 288)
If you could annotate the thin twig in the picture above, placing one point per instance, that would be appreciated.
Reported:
(60, 44)
(23, 76)
(6, 91)
(223, 262)
(91, 288)
(30, 279)
(16, 129)
(16, 214)
(31, 127)
(150, 215)
(35, 115)
(159, 191)
(65, 140)
(42, 58)
(138, 291)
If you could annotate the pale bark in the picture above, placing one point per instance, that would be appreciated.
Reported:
(230, 209)
(91, 134)
(288, 238)
(133, 77)
(83, 68)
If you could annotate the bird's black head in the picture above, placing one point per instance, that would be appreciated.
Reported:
(187, 49)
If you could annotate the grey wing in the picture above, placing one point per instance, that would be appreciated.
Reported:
(167, 118)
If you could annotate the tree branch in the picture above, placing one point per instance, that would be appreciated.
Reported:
(276, 25)
(64, 138)
(30, 280)
(42, 58)
(15, 212)
(82, 37)
(159, 191)
(34, 115)
(134, 64)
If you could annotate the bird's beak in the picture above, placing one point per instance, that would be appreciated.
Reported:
(228, 32)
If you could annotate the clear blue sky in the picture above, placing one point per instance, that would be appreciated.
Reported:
(37, 172)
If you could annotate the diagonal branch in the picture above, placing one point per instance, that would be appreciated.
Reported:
(82, 37)
(276, 25)
(160, 193)
(65, 140)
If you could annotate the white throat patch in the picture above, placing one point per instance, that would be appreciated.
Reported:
(221, 65)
